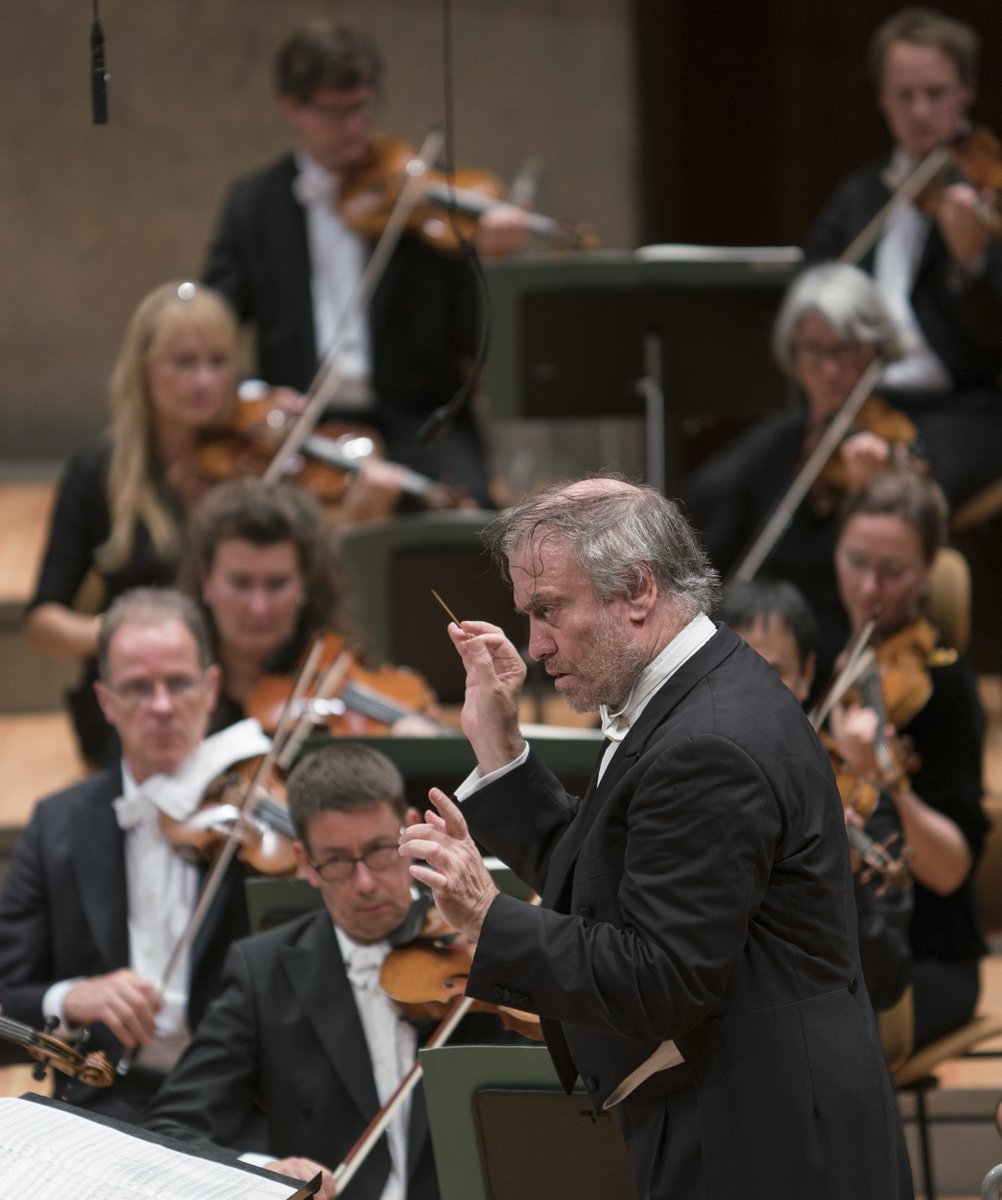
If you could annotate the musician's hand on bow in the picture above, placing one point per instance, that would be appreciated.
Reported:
(501, 230)
(122, 1000)
(864, 454)
(305, 1169)
(854, 729)
(495, 673)
(964, 230)
(452, 866)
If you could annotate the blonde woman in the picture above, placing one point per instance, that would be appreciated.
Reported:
(122, 502)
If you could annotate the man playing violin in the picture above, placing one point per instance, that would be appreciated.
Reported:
(935, 259)
(695, 957)
(285, 258)
(96, 898)
(301, 1027)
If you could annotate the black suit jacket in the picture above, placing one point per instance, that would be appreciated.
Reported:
(284, 1033)
(702, 892)
(962, 323)
(64, 909)
(422, 317)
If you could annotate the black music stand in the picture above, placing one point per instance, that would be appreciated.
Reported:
(502, 1128)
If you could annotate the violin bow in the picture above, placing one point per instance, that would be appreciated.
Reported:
(858, 656)
(907, 190)
(325, 383)
(783, 513)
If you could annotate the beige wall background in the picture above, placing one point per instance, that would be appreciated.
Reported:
(92, 217)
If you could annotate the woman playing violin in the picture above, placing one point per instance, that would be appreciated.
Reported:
(122, 502)
(937, 262)
(264, 565)
(830, 328)
(287, 261)
(890, 533)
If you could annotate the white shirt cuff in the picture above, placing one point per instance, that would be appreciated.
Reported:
(55, 998)
(475, 781)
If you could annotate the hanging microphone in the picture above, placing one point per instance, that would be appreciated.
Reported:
(98, 77)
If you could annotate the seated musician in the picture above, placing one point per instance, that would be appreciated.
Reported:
(301, 1027)
(96, 899)
(288, 261)
(122, 502)
(937, 259)
(831, 326)
(775, 620)
(890, 533)
(264, 566)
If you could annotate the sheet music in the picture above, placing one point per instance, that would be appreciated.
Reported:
(47, 1151)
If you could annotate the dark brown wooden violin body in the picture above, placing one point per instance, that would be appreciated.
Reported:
(448, 208)
(976, 159)
(356, 701)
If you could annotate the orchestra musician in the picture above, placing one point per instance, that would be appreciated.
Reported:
(669, 892)
(301, 1027)
(936, 262)
(122, 502)
(264, 566)
(890, 533)
(831, 326)
(287, 261)
(775, 620)
(96, 898)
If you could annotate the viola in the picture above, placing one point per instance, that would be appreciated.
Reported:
(352, 700)
(260, 824)
(93, 1068)
(370, 188)
(325, 462)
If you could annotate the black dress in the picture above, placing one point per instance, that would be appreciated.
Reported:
(80, 524)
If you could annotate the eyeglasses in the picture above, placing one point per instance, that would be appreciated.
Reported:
(342, 867)
(141, 692)
(343, 112)
(842, 353)
(891, 570)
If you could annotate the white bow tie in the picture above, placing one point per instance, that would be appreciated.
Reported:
(310, 186)
(132, 810)
(364, 966)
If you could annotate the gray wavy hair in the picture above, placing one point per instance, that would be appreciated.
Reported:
(848, 300)
(614, 536)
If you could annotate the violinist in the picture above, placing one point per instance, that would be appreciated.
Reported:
(265, 568)
(122, 502)
(775, 620)
(288, 262)
(301, 1028)
(96, 897)
(831, 326)
(935, 260)
(890, 533)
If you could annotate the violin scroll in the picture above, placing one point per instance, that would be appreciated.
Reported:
(92, 1068)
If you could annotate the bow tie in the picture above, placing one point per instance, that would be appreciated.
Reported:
(615, 726)
(310, 186)
(364, 966)
(131, 811)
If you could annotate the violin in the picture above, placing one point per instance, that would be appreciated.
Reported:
(875, 416)
(428, 975)
(974, 158)
(370, 188)
(93, 1068)
(344, 697)
(325, 462)
(261, 825)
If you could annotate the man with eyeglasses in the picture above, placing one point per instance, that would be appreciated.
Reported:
(301, 1027)
(96, 898)
(935, 259)
(289, 263)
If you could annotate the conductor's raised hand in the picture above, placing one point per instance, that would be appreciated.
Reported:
(452, 866)
(495, 673)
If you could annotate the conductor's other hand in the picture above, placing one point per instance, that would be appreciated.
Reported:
(122, 1000)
